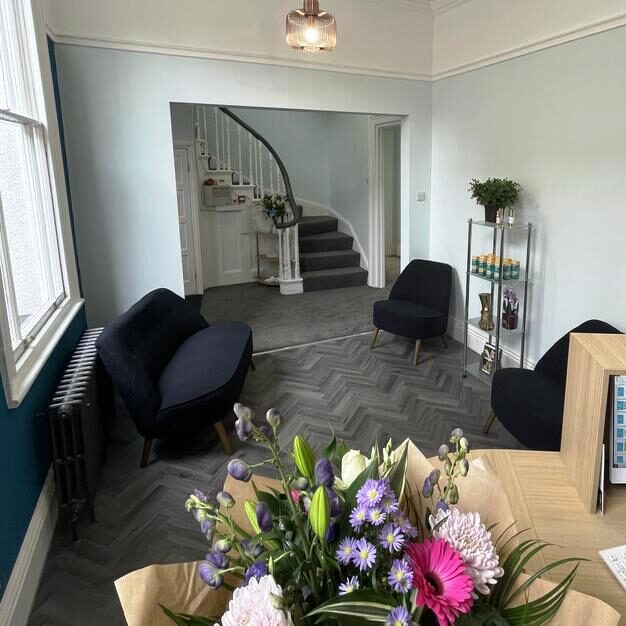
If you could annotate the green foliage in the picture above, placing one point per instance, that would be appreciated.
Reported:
(180, 619)
(274, 205)
(495, 193)
(365, 607)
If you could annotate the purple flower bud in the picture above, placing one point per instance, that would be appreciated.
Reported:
(300, 483)
(225, 499)
(434, 477)
(256, 570)
(324, 473)
(263, 517)
(273, 418)
(208, 528)
(239, 470)
(251, 550)
(441, 506)
(331, 533)
(210, 575)
(427, 489)
(223, 545)
(243, 429)
(335, 503)
(200, 496)
(218, 559)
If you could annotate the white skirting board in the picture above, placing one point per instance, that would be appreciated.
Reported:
(476, 342)
(21, 589)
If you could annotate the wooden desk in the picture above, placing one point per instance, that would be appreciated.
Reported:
(544, 499)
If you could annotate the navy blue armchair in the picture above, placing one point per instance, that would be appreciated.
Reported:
(174, 372)
(530, 403)
(418, 304)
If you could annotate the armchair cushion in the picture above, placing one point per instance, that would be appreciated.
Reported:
(203, 379)
(409, 319)
(530, 406)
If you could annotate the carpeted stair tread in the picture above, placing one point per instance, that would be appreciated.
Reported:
(334, 278)
(312, 261)
(316, 224)
(323, 242)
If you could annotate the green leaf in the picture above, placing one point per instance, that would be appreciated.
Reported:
(180, 619)
(397, 478)
(365, 605)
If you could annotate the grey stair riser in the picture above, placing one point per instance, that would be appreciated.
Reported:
(317, 243)
(329, 260)
(334, 280)
(317, 225)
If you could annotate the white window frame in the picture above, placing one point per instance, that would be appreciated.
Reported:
(20, 365)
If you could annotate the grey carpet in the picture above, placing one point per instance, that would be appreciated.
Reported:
(342, 385)
(281, 321)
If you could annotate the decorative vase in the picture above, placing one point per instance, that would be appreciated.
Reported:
(486, 317)
(510, 321)
(491, 214)
(212, 162)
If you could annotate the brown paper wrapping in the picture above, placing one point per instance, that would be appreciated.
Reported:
(179, 588)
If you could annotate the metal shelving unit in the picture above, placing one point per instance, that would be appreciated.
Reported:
(502, 234)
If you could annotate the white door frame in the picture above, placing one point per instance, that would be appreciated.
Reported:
(195, 211)
(377, 124)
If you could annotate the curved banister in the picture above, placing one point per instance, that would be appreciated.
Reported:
(297, 211)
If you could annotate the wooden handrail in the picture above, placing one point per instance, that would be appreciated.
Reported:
(296, 209)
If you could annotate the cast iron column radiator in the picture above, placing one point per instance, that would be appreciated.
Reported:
(78, 412)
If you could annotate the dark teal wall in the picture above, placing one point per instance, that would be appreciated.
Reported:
(25, 451)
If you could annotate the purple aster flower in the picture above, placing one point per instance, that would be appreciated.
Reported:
(358, 517)
(371, 493)
(324, 473)
(364, 555)
(256, 570)
(404, 524)
(389, 502)
(376, 516)
(263, 517)
(398, 617)
(400, 576)
(346, 549)
(391, 538)
(352, 584)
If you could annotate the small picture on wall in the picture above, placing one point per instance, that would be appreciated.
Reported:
(488, 359)
(241, 199)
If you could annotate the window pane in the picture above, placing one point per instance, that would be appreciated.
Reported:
(28, 250)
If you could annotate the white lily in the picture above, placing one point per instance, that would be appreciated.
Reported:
(352, 464)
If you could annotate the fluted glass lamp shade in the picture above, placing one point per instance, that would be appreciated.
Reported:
(310, 29)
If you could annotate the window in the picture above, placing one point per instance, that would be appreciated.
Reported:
(38, 274)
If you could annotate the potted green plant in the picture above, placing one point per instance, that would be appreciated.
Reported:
(494, 194)
(274, 205)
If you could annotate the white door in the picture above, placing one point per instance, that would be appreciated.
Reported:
(185, 219)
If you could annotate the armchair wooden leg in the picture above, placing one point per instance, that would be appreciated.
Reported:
(145, 455)
(418, 345)
(225, 439)
(252, 365)
(489, 422)
(444, 341)
(374, 338)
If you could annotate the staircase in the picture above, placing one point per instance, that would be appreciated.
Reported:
(327, 260)
(235, 162)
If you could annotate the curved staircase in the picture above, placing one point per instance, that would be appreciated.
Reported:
(327, 260)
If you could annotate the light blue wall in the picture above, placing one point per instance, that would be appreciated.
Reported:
(555, 121)
(25, 451)
(116, 107)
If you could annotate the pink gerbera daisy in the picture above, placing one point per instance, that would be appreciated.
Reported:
(441, 579)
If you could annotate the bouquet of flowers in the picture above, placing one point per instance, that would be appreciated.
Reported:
(274, 205)
(510, 309)
(345, 539)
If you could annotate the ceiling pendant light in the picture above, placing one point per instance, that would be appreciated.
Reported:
(310, 29)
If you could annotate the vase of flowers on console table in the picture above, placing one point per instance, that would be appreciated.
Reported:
(344, 538)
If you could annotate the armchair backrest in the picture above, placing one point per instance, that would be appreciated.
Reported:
(553, 363)
(425, 282)
(136, 347)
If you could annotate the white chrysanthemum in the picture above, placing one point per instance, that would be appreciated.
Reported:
(469, 537)
(252, 605)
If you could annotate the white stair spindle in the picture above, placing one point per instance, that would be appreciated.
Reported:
(278, 179)
(217, 137)
(256, 169)
(251, 178)
(287, 253)
(206, 132)
(222, 167)
(196, 123)
(239, 150)
(228, 156)
(296, 253)
(271, 162)
(261, 152)
(281, 268)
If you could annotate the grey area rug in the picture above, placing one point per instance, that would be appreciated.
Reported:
(360, 394)
(282, 321)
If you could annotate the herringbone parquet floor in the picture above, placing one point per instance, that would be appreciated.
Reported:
(341, 385)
